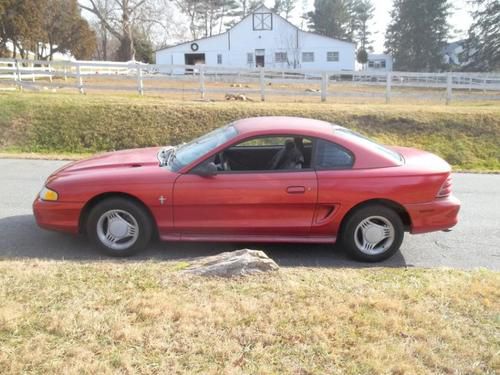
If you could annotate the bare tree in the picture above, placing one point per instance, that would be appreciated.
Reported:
(192, 9)
(284, 7)
(127, 20)
(105, 8)
(207, 17)
(118, 21)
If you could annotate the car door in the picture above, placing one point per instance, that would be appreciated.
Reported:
(252, 201)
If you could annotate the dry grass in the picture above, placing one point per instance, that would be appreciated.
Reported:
(62, 317)
(42, 156)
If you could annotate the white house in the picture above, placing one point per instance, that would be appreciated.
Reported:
(263, 39)
(42, 48)
(379, 62)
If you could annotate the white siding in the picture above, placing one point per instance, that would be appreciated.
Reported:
(376, 59)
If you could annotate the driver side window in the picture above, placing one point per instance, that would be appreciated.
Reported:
(277, 152)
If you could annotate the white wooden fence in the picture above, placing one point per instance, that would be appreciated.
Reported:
(203, 80)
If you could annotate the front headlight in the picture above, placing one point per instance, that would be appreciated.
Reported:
(48, 195)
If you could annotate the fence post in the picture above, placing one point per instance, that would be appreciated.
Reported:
(202, 81)
(65, 73)
(79, 79)
(449, 82)
(324, 86)
(140, 83)
(388, 87)
(50, 72)
(19, 78)
(262, 84)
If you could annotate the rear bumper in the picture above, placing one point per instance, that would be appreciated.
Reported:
(60, 216)
(432, 216)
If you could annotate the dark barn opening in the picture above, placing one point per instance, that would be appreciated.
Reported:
(193, 59)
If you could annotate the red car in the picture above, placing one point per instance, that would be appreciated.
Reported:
(266, 179)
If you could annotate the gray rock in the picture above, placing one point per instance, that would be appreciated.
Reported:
(233, 263)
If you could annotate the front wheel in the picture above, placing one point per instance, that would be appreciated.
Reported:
(120, 227)
(372, 233)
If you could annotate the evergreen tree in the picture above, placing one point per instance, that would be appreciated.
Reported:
(144, 51)
(363, 13)
(482, 48)
(362, 56)
(332, 18)
(417, 34)
(343, 19)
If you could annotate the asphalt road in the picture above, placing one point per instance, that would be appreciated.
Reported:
(474, 242)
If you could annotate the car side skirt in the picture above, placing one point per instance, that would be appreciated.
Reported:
(204, 237)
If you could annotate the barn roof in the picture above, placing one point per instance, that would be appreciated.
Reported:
(258, 9)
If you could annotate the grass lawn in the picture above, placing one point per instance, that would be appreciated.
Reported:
(126, 317)
(466, 135)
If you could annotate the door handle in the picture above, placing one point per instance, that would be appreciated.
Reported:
(296, 189)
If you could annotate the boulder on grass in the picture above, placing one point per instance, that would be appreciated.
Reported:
(233, 263)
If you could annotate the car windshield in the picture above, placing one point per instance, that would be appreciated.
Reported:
(187, 153)
(368, 142)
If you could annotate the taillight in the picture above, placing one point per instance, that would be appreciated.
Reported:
(445, 190)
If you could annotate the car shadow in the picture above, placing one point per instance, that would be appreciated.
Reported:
(20, 237)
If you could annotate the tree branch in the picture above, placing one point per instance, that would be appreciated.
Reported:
(103, 20)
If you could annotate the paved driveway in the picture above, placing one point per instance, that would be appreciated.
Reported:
(474, 242)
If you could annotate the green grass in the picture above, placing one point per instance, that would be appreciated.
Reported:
(126, 317)
(466, 135)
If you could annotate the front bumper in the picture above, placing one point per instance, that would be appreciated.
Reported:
(60, 216)
(440, 214)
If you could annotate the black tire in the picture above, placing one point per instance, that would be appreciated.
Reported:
(126, 207)
(352, 236)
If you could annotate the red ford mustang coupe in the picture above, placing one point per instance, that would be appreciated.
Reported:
(267, 179)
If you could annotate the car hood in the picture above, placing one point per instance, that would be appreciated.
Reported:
(138, 157)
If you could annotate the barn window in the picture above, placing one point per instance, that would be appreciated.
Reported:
(332, 56)
(249, 58)
(262, 21)
(219, 59)
(307, 56)
(280, 57)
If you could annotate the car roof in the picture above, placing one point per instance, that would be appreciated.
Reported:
(284, 124)
(368, 156)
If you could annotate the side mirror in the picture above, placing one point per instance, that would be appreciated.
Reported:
(205, 169)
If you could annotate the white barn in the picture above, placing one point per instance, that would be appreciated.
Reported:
(263, 39)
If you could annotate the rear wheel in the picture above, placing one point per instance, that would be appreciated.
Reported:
(120, 227)
(372, 233)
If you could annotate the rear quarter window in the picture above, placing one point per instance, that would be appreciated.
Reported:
(332, 156)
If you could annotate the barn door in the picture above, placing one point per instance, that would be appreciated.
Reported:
(259, 58)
